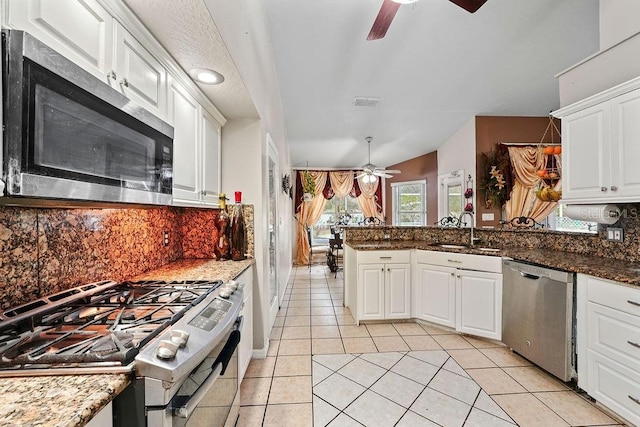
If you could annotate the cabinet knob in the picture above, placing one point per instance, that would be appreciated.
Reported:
(614, 188)
(124, 82)
(111, 75)
(453, 274)
(603, 189)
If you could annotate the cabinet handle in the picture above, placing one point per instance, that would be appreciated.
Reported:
(603, 189)
(637, 304)
(634, 399)
(455, 261)
(453, 274)
(614, 188)
(634, 344)
(385, 257)
(111, 75)
(124, 82)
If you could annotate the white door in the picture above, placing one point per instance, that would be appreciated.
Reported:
(80, 30)
(139, 76)
(210, 135)
(625, 152)
(586, 154)
(272, 235)
(479, 303)
(435, 299)
(183, 116)
(371, 291)
(397, 289)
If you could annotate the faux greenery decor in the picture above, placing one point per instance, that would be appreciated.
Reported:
(308, 183)
(495, 177)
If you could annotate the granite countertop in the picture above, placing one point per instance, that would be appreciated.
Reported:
(72, 400)
(606, 268)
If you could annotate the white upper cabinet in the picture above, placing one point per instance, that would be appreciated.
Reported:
(183, 116)
(79, 30)
(600, 147)
(196, 149)
(137, 74)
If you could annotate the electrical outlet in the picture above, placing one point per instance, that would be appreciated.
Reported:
(165, 238)
(615, 234)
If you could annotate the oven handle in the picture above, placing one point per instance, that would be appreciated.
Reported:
(218, 368)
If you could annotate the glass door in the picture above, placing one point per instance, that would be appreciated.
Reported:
(272, 223)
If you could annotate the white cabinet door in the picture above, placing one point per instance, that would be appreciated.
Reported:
(586, 154)
(210, 140)
(435, 294)
(138, 75)
(371, 291)
(479, 303)
(625, 152)
(397, 292)
(80, 30)
(183, 115)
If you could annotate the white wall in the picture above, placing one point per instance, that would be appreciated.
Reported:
(619, 19)
(459, 152)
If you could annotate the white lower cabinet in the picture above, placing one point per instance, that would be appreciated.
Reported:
(479, 303)
(435, 294)
(608, 344)
(451, 295)
(245, 348)
(385, 291)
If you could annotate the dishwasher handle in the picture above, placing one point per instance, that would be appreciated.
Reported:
(529, 276)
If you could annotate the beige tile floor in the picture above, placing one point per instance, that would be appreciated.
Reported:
(322, 370)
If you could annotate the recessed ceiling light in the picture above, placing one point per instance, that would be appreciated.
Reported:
(404, 1)
(206, 76)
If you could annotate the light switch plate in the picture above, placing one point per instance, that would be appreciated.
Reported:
(615, 234)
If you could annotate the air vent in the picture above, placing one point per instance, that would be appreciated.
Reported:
(363, 101)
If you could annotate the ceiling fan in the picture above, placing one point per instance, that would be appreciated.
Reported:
(371, 171)
(390, 7)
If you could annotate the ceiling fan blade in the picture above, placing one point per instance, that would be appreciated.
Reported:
(469, 5)
(392, 171)
(383, 20)
(361, 175)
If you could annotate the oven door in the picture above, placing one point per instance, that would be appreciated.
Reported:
(210, 395)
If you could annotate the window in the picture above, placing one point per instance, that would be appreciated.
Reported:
(409, 203)
(557, 221)
(346, 209)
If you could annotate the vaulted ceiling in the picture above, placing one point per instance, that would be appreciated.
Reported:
(437, 67)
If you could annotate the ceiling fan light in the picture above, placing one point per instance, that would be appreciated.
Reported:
(369, 179)
(404, 1)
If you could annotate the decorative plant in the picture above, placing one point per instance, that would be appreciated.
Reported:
(308, 183)
(494, 178)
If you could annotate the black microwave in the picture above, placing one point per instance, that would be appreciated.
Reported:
(69, 135)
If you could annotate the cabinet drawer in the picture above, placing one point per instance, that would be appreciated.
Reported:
(611, 294)
(383, 257)
(614, 334)
(491, 264)
(615, 386)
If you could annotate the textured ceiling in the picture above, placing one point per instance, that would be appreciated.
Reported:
(187, 31)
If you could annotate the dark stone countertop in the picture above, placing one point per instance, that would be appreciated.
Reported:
(73, 400)
(605, 268)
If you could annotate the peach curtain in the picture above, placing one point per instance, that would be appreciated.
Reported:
(341, 183)
(526, 162)
(308, 215)
(367, 198)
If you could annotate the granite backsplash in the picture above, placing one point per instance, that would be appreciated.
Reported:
(43, 251)
(582, 243)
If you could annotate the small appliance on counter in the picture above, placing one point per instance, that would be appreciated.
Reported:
(178, 339)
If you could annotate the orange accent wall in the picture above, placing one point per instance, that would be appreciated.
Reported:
(422, 167)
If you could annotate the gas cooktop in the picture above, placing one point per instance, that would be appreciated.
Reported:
(101, 324)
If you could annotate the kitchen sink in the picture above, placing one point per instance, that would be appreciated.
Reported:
(449, 246)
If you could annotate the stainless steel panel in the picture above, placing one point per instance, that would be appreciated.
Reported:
(537, 316)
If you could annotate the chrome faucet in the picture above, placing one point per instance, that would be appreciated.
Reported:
(462, 215)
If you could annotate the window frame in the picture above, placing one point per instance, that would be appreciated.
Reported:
(395, 194)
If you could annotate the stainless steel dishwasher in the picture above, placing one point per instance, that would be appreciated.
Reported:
(538, 316)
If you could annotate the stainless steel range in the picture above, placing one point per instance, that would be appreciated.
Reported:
(178, 338)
